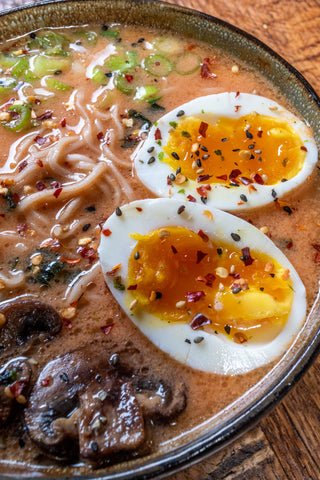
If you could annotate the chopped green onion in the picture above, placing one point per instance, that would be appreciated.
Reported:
(157, 65)
(7, 60)
(55, 84)
(168, 45)
(124, 85)
(98, 76)
(118, 63)
(187, 63)
(146, 92)
(110, 33)
(6, 85)
(22, 121)
(105, 100)
(49, 41)
(44, 65)
(20, 67)
(90, 37)
(153, 100)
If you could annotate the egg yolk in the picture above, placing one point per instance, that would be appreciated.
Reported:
(179, 275)
(250, 149)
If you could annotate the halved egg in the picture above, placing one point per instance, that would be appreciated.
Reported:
(231, 151)
(204, 286)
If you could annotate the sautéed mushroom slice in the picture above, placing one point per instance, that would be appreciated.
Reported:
(27, 321)
(92, 403)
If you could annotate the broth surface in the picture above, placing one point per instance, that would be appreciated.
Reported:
(64, 176)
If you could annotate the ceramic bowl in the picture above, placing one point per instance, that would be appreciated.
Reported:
(211, 436)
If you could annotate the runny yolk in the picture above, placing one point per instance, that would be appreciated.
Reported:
(253, 148)
(181, 276)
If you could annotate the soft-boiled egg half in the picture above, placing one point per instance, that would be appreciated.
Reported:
(204, 286)
(231, 151)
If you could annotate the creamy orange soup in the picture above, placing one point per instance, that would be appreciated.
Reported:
(75, 103)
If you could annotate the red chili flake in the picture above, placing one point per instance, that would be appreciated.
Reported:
(40, 186)
(139, 209)
(246, 257)
(75, 303)
(316, 246)
(132, 287)
(303, 148)
(203, 128)
(17, 388)
(245, 180)
(40, 140)
(203, 178)
(208, 187)
(200, 256)
(52, 243)
(202, 190)
(223, 177)
(169, 181)
(70, 261)
(173, 248)
(22, 227)
(208, 279)
(237, 108)
(106, 329)
(63, 122)
(203, 235)
(237, 94)
(57, 192)
(205, 71)
(106, 232)
(236, 276)
(157, 134)
(2, 215)
(128, 77)
(289, 244)
(88, 253)
(258, 179)
(100, 136)
(39, 162)
(317, 257)
(199, 321)
(239, 337)
(194, 296)
(15, 198)
(46, 382)
(234, 174)
(191, 47)
(22, 165)
(46, 115)
(259, 133)
(191, 198)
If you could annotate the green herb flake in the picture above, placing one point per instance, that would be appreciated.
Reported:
(117, 283)
(182, 190)
(218, 152)
(185, 134)
(173, 124)
(161, 156)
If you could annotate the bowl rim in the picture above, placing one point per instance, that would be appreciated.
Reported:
(214, 440)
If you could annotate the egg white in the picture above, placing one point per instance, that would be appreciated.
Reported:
(216, 353)
(209, 109)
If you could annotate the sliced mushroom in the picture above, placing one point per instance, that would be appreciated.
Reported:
(160, 399)
(26, 320)
(14, 386)
(91, 402)
(111, 420)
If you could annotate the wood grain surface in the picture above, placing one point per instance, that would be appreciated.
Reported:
(286, 444)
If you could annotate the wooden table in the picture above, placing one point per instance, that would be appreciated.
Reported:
(286, 444)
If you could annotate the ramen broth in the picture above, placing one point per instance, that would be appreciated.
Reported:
(66, 169)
